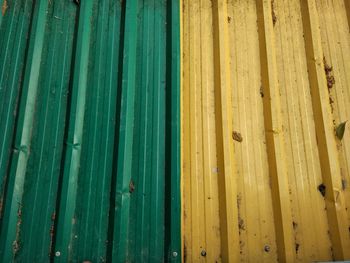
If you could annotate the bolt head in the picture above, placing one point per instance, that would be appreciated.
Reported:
(174, 254)
(57, 254)
(203, 253)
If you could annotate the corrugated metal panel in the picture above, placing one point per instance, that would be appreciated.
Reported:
(259, 110)
(89, 128)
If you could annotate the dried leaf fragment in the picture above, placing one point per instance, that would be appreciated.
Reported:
(340, 130)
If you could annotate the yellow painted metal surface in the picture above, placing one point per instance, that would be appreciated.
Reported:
(264, 85)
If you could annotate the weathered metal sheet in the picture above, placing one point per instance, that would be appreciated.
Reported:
(89, 128)
(265, 85)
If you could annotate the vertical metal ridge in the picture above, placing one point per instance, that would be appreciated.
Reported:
(223, 106)
(74, 140)
(254, 201)
(10, 75)
(327, 149)
(158, 140)
(273, 133)
(126, 133)
(335, 40)
(209, 158)
(173, 118)
(10, 242)
(48, 131)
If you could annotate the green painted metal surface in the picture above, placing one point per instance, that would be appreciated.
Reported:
(89, 128)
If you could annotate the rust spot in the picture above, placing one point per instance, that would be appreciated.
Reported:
(273, 13)
(329, 73)
(4, 7)
(52, 234)
(237, 136)
(131, 186)
(16, 243)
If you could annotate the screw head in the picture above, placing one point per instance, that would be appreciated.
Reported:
(57, 254)
(203, 253)
(267, 248)
(174, 254)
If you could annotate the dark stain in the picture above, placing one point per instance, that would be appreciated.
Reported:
(273, 13)
(261, 91)
(295, 225)
(322, 189)
(131, 187)
(185, 252)
(330, 81)
(229, 19)
(241, 224)
(343, 184)
(52, 233)
(297, 246)
(241, 245)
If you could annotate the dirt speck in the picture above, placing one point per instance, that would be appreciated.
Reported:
(262, 91)
(229, 19)
(237, 136)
